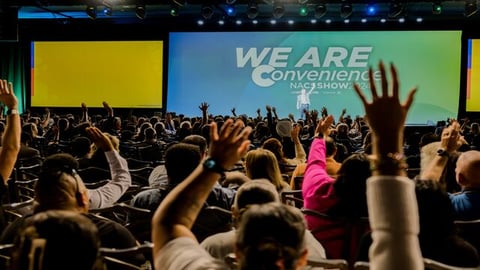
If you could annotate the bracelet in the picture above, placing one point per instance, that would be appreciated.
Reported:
(390, 161)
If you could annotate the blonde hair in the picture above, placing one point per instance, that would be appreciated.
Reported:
(262, 163)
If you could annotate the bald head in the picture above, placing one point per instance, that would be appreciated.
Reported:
(468, 169)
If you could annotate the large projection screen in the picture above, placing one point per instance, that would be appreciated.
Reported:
(248, 70)
(127, 74)
(473, 76)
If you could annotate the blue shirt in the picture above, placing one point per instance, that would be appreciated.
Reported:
(466, 205)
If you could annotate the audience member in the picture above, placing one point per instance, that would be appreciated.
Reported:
(392, 205)
(339, 198)
(438, 237)
(59, 187)
(268, 235)
(57, 240)
(10, 140)
(261, 163)
(254, 192)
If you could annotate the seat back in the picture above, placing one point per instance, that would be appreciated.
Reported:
(292, 197)
(329, 264)
(429, 264)
(94, 174)
(136, 220)
(212, 220)
(114, 258)
(470, 231)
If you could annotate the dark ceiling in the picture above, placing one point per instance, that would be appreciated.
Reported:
(190, 12)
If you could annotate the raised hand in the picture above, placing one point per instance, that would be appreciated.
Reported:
(108, 108)
(7, 95)
(451, 139)
(268, 108)
(323, 127)
(385, 114)
(203, 106)
(99, 138)
(230, 144)
(324, 112)
(233, 110)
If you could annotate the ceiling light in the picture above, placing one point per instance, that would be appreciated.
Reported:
(303, 11)
(278, 11)
(252, 10)
(470, 8)
(437, 7)
(141, 12)
(174, 10)
(396, 8)
(207, 12)
(91, 12)
(320, 10)
(108, 11)
(346, 9)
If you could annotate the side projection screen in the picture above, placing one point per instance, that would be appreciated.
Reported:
(127, 74)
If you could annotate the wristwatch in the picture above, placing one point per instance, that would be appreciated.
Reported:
(12, 111)
(211, 164)
(442, 152)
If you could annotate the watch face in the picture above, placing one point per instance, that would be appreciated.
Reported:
(210, 163)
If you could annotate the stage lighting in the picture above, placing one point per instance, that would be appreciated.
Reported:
(141, 12)
(174, 10)
(91, 12)
(207, 11)
(396, 8)
(230, 10)
(470, 8)
(108, 11)
(320, 10)
(230, 2)
(437, 7)
(278, 11)
(252, 10)
(371, 9)
(303, 11)
(346, 9)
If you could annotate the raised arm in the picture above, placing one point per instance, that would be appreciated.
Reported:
(11, 136)
(85, 113)
(176, 214)
(391, 200)
(109, 194)
(450, 142)
(204, 108)
(311, 90)
(300, 155)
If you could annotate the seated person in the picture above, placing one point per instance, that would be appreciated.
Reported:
(59, 187)
(438, 237)
(466, 203)
(342, 199)
(261, 163)
(60, 239)
(81, 149)
(26, 151)
(270, 236)
(254, 192)
(180, 160)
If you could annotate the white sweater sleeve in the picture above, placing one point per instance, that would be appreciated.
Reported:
(393, 214)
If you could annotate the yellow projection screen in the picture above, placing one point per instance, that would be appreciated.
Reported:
(126, 74)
